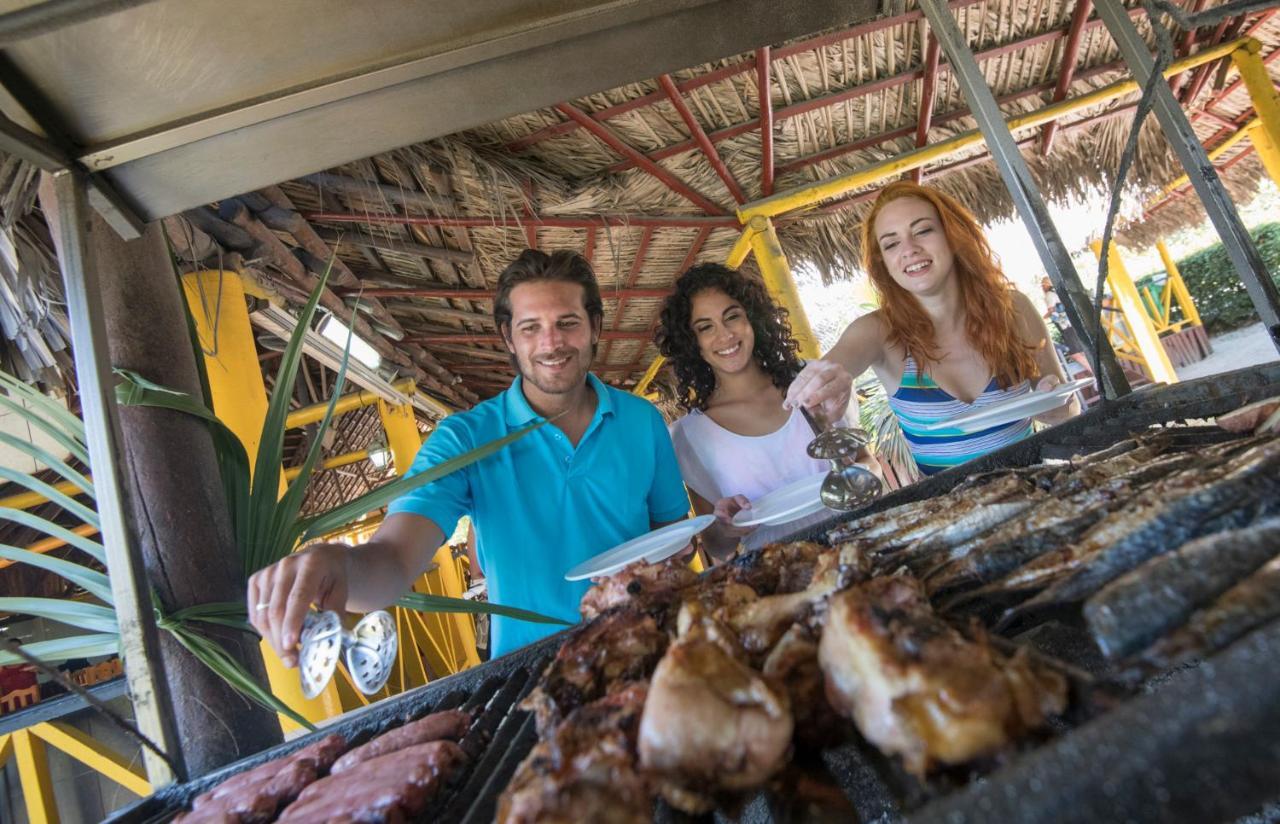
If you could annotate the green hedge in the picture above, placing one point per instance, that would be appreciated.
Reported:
(1220, 297)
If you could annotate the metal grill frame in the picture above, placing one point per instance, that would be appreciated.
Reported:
(1202, 745)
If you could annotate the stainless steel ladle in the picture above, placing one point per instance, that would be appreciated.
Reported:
(849, 485)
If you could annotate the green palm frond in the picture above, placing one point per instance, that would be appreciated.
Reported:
(50, 460)
(423, 602)
(45, 414)
(91, 581)
(72, 613)
(61, 649)
(53, 530)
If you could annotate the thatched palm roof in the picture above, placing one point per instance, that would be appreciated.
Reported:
(620, 176)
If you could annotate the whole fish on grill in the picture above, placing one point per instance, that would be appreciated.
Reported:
(1053, 523)
(1249, 604)
(1140, 606)
(1233, 500)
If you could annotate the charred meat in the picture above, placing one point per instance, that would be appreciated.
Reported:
(449, 725)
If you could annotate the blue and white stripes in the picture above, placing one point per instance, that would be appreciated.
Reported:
(920, 401)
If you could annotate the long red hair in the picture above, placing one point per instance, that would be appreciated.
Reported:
(986, 294)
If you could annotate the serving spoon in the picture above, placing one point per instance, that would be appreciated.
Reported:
(849, 485)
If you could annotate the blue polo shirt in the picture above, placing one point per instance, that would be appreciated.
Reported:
(541, 506)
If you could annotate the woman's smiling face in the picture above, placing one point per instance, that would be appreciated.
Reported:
(909, 234)
(725, 338)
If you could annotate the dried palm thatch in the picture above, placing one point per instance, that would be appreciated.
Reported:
(621, 176)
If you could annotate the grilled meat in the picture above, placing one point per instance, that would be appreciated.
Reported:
(1247, 605)
(1140, 606)
(774, 568)
(759, 623)
(619, 646)
(917, 688)
(449, 725)
(1251, 417)
(711, 722)
(256, 795)
(639, 586)
(585, 770)
(793, 663)
(392, 787)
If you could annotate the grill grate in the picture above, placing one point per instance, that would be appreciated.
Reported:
(1203, 745)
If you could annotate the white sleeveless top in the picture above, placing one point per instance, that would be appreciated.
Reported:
(717, 463)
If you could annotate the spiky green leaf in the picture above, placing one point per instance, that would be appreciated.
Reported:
(58, 497)
(342, 515)
(62, 649)
(92, 617)
(50, 460)
(423, 602)
(48, 415)
(90, 580)
(53, 530)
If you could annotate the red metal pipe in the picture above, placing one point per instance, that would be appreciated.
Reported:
(637, 263)
(700, 137)
(594, 222)
(607, 136)
(928, 93)
(764, 95)
(493, 337)
(1067, 73)
(1181, 191)
(730, 70)
(480, 294)
(862, 90)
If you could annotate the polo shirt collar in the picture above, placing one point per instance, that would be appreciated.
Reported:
(518, 411)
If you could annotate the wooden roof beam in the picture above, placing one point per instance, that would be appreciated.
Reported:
(700, 137)
(637, 263)
(1067, 72)
(928, 95)
(453, 293)
(494, 337)
(724, 72)
(549, 222)
(764, 94)
(611, 139)
(861, 90)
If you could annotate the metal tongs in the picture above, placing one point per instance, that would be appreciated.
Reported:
(369, 650)
(849, 485)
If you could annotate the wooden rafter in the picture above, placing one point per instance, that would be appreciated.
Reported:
(928, 94)
(611, 139)
(764, 94)
(1066, 73)
(700, 137)
(637, 264)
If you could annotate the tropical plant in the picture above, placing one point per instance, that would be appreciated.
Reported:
(267, 526)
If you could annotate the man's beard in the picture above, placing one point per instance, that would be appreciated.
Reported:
(558, 384)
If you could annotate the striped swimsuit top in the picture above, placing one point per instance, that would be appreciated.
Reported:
(921, 401)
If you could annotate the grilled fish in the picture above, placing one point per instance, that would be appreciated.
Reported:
(1249, 604)
(1232, 501)
(1140, 606)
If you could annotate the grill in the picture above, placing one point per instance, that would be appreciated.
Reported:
(1198, 744)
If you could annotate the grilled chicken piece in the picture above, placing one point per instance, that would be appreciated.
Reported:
(711, 722)
(585, 771)
(772, 569)
(793, 663)
(640, 586)
(759, 623)
(917, 688)
(619, 646)
(256, 795)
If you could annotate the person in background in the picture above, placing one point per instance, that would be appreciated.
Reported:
(1057, 315)
(951, 334)
(601, 472)
(734, 356)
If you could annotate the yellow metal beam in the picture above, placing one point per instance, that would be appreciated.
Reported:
(94, 755)
(807, 197)
(1136, 317)
(26, 500)
(1266, 102)
(46, 544)
(1178, 286)
(403, 438)
(1215, 153)
(347, 403)
(239, 397)
(336, 461)
(33, 774)
(777, 277)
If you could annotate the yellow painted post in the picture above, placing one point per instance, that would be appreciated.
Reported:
(33, 773)
(1135, 315)
(94, 755)
(1266, 102)
(239, 397)
(1178, 286)
(404, 442)
(777, 277)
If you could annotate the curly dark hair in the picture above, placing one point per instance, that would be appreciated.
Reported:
(775, 348)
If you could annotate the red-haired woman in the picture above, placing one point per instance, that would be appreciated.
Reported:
(951, 333)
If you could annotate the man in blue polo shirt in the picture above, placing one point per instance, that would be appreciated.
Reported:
(601, 473)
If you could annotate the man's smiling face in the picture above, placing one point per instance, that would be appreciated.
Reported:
(551, 335)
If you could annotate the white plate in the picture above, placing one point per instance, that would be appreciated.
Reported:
(795, 500)
(651, 547)
(1024, 406)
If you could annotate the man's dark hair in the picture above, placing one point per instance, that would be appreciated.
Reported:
(775, 347)
(533, 265)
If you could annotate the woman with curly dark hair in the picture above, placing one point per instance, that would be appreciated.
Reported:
(734, 356)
